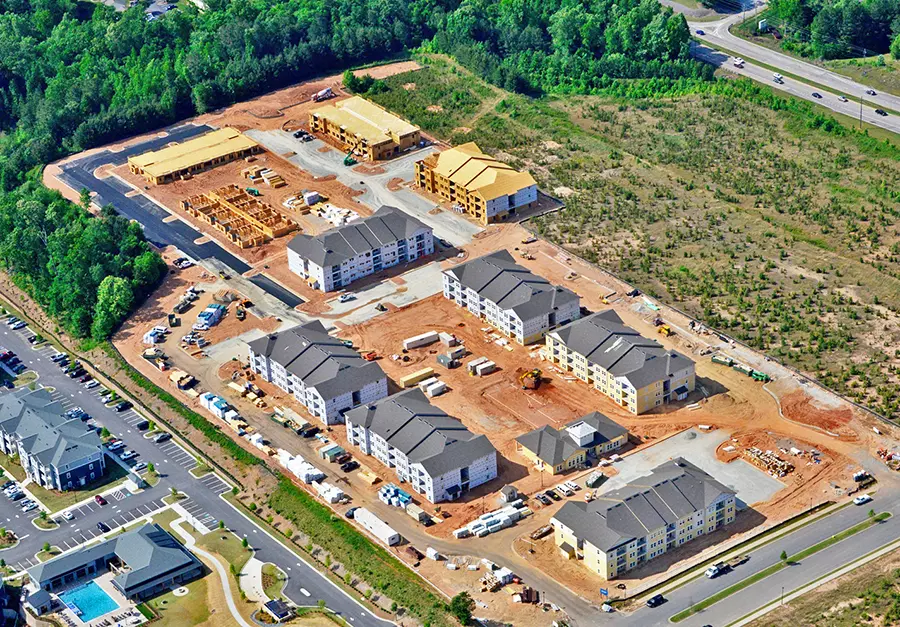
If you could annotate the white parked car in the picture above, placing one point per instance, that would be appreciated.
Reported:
(68, 515)
(862, 499)
(128, 455)
(343, 298)
(90, 385)
(29, 507)
(139, 466)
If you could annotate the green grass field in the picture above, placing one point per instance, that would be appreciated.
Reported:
(763, 216)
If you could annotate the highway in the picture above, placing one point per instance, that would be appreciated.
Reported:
(718, 33)
(305, 584)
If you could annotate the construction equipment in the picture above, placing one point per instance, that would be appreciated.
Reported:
(723, 360)
(666, 330)
(240, 312)
(349, 160)
(756, 375)
(324, 94)
(370, 356)
(223, 276)
(526, 255)
(253, 191)
(529, 240)
(531, 379)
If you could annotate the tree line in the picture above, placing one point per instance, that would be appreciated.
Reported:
(838, 29)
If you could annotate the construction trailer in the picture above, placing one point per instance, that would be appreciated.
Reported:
(246, 221)
(413, 379)
(181, 161)
(421, 340)
(377, 527)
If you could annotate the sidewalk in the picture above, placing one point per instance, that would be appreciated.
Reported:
(252, 581)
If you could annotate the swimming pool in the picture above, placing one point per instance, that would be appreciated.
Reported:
(88, 601)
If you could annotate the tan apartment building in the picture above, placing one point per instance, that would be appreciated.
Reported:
(487, 189)
(364, 128)
(192, 156)
(637, 373)
(556, 451)
(624, 528)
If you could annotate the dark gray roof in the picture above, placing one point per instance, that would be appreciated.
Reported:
(554, 446)
(37, 422)
(39, 598)
(149, 551)
(336, 245)
(422, 432)
(499, 279)
(551, 446)
(318, 359)
(669, 493)
(617, 348)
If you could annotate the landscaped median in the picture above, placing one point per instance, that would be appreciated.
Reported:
(774, 568)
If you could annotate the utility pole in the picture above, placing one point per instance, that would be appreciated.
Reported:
(860, 112)
(782, 595)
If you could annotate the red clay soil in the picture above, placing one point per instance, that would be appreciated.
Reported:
(799, 407)
(395, 184)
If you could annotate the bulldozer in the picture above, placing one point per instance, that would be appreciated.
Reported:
(526, 255)
(240, 312)
(531, 379)
(666, 330)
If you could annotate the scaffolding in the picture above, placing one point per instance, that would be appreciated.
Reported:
(245, 220)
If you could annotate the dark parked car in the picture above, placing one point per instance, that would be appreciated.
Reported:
(85, 378)
(123, 406)
(656, 600)
(553, 495)
(77, 373)
(311, 432)
(350, 466)
(103, 527)
(162, 437)
(350, 512)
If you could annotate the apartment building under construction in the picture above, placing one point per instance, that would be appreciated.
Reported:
(247, 221)
(364, 128)
(485, 188)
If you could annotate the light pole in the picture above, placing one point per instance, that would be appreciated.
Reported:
(782, 595)
(860, 112)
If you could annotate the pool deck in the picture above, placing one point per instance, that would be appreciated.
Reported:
(104, 582)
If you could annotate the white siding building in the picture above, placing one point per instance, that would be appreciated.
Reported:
(433, 452)
(522, 305)
(56, 452)
(318, 370)
(334, 259)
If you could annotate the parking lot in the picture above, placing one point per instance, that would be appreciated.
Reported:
(173, 453)
(751, 484)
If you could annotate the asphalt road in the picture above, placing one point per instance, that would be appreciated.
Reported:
(305, 585)
(718, 33)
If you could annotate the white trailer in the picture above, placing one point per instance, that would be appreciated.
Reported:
(421, 340)
(377, 527)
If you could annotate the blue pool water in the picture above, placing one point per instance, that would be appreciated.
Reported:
(88, 601)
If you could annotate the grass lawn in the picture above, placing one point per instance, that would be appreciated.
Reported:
(152, 478)
(200, 469)
(273, 581)
(56, 501)
(26, 378)
(46, 524)
(228, 546)
(46, 555)
(870, 71)
(191, 609)
(12, 467)
(165, 518)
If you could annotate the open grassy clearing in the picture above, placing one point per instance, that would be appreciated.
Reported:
(273, 581)
(227, 545)
(755, 213)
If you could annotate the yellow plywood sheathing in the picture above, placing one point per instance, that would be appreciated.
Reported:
(364, 128)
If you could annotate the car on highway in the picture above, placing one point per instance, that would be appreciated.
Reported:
(862, 499)
(122, 406)
(843, 98)
(103, 527)
(816, 94)
(871, 92)
(700, 32)
(68, 515)
(656, 600)
(99, 499)
(881, 112)
(778, 78)
(162, 437)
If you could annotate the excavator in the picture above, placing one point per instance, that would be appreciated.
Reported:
(531, 379)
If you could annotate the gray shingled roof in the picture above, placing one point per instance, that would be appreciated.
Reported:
(499, 279)
(554, 446)
(670, 492)
(551, 446)
(318, 359)
(37, 421)
(336, 245)
(422, 432)
(149, 551)
(617, 348)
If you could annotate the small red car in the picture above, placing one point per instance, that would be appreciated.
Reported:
(100, 500)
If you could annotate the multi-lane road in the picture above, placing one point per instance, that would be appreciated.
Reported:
(305, 586)
(757, 63)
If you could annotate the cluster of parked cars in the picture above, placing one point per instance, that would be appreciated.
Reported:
(117, 446)
(15, 324)
(567, 488)
(13, 491)
(303, 135)
(12, 362)
(182, 263)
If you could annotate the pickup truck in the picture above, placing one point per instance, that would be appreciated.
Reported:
(720, 568)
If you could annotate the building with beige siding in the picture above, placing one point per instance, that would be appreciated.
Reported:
(555, 451)
(634, 371)
(364, 128)
(487, 189)
(623, 529)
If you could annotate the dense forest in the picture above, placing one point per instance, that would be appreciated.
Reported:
(568, 45)
(838, 29)
(84, 271)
